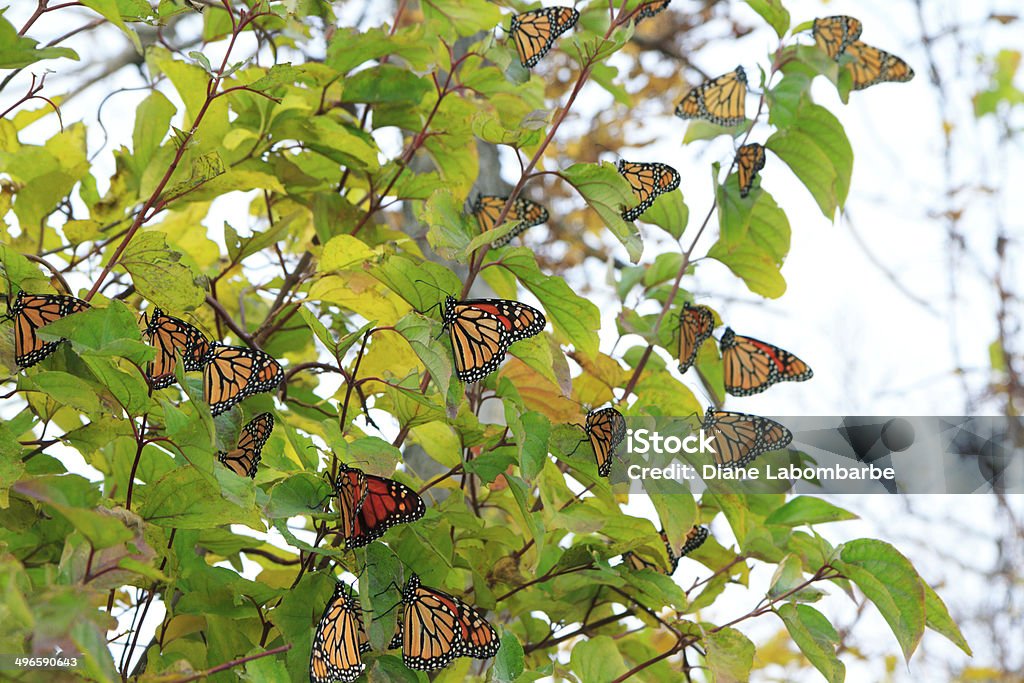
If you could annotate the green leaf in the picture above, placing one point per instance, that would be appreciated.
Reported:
(111, 10)
(385, 84)
(730, 655)
(185, 498)
(299, 494)
(808, 510)
(509, 662)
(816, 637)
(573, 317)
(64, 388)
(816, 149)
(774, 13)
(533, 450)
(421, 333)
(889, 580)
(669, 213)
(449, 229)
(17, 52)
(159, 275)
(102, 529)
(597, 659)
(754, 241)
(204, 168)
(152, 121)
(938, 619)
(349, 48)
(608, 193)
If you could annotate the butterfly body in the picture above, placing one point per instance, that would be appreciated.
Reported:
(436, 627)
(696, 323)
(244, 459)
(487, 209)
(648, 181)
(32, 311)
(535, 32)
(481, 331)
(738, 438)
(369, 505)
(751, 365)
(233, 373)
(720, 100)
(171, 336)
(339, 640)
(606, 428)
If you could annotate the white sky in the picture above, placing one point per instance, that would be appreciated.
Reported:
(874, 351)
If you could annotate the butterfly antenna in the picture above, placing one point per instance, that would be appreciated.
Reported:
(386, 588)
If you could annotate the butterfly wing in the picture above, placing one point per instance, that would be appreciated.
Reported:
(638, 562)
(606, 429)
(233, 373)
(481, 331)
(721, 100)
(695, 326)
(386, 503)
(487, 209)
(749, 160)
(648, 180)
(431, 633)
(351, 491)
(649, 9)
(244, 459)
(479, 639)
(170, 336)
(695, 538)
(835, 34)
(751, 365)
(339, 640)
(32, 311)
(738, 438)
(534, 32)
(869, 66)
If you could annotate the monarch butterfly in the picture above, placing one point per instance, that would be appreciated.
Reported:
(749, 160)
(243, 459)
(695, 538)
(751, 365)
(695, 326)
(648, 181)
(435, 628)
(169, 335)
(606, 429)
(370, 505)
(738, 438)
(649, 9)
(339, 640)
(835, 34)
(487, 208)
(869, 66)
(720, 100)
(481, 331)
(534, 32)
(232, 373)
(32, 311)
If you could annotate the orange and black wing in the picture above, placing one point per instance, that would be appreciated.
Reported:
(481, 331)
(751, 365)
(869, 66)
(749, 160)
(339, 640)
(696, 324)
(535, 32)
(385, 503)
(32, 311)
(649, 9)
(171, 336)
(835, 34)
(233, 373)
(738, 438)
(244, 459)
(430, 633)
(606, 429)
(695, 538)
(648, 182)
(487, 209)
(350, 491)
(721, 100)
